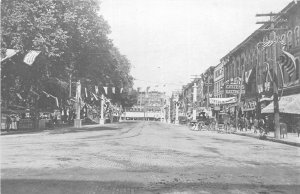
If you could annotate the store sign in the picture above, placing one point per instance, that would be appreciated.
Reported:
(234, 87)
(234, 92)
(250, 105)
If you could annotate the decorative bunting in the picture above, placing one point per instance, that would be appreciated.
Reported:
(95, 96)
(121, 90)
(48, 95)
(30, 57)
(96, 90)
(105, 90)
(113, 89)
(19, 96)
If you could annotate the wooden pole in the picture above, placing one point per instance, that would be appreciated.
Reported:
(102, 120)
(239, 99)
(194, 101)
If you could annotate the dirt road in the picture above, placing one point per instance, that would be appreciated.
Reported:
(146, 157)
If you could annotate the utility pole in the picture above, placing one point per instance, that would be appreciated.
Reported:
(273, 30)
(77, 121)
(239, 98)
(169, 111)
(207, 92)
(70, 85)
(194, 101)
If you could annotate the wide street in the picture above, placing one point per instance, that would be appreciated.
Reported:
(145, 157)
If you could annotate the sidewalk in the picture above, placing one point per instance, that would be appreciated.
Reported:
(24, 131)
(290, 139)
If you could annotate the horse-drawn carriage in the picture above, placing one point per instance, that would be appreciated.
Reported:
(203, 120)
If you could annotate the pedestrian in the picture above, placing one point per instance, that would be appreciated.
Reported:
(261, 125)
(246, 124)
(13, 122)
(18, 121)
(251, 123)
(255, 125)
(8, 122)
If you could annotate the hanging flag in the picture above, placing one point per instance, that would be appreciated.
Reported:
(95, 96)
(30, 57)
(288, 62)
(105, 90)
(281, 73)
(269, 75)
(85, 90)
(31, 90)
(113, 89)
(19, 96)
(48, 95)
(121, 90)
(96, 89)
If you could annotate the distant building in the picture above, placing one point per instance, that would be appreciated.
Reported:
(149, 106)
(219, 80)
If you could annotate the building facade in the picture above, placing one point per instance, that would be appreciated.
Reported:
(251, 63)
(150, 106)
(219, 81)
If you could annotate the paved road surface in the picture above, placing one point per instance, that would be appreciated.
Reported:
(146, 157)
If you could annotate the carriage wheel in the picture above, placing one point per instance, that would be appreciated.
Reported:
(192, 126)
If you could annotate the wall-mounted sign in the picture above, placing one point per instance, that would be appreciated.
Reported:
(234, 91)
(250, 105)
(234, 86)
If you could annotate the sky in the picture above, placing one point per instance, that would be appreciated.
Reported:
(170, 41)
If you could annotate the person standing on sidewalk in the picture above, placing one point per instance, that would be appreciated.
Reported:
(8, 122)
(255, 125)
(17, 121)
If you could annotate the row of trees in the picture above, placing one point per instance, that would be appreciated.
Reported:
(73, 39)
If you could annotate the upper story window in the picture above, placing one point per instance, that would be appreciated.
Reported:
(297, 36)
(289, 39)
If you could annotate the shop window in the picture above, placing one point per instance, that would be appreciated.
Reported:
(297, 36)
(289, 39)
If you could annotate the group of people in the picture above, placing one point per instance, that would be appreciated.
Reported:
(262, 125)
(12, 122)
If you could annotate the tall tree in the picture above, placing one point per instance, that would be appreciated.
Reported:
(72, 36)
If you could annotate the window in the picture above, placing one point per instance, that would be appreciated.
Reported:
(297, 36)
(289, 39)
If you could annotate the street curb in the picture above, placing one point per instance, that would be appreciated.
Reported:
(271, 139)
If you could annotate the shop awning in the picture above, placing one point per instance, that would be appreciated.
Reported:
(221, 101)
(287, 104)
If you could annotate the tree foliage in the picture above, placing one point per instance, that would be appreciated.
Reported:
(73, 38)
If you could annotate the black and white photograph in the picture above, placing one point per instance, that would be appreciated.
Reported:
(150, 97)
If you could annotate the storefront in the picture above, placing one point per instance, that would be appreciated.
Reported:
(289, 110)
(249, 108)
